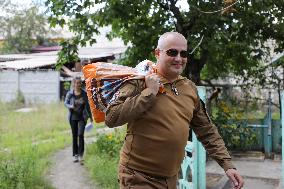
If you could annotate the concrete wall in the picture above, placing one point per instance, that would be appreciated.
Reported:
(36, 86)
(9, 81)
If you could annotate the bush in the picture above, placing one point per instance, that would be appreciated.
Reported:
(110, 144)
(26, 142)
(231, 127)
(21, 171)
(103, 157)
(102, 167)
(20, 99)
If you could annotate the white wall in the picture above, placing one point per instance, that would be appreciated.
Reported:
(36, 86)
(8, 85)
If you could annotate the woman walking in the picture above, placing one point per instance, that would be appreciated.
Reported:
(77, 103)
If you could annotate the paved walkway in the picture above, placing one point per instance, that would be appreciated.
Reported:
(264, 174)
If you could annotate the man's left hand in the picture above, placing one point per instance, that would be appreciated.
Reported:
(236, 178)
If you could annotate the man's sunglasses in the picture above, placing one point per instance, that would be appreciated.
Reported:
(174, 53)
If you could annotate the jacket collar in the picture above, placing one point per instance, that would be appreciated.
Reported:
(165, 81)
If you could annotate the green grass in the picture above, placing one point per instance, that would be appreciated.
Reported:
(93, 132)
(103, 156)
(102, 168)
(276, 115)
(27, 141)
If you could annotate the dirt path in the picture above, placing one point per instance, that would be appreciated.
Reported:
(65, 174)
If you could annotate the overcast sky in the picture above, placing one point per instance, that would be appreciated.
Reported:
(26, 3)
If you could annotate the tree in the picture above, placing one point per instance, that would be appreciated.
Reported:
(20, 28)
(4, 3)
(231, 33)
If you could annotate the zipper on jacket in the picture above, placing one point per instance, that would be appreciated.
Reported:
(174, 89)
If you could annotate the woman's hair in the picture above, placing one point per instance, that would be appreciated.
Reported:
(74, 79)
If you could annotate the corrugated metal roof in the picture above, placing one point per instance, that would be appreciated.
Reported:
(37, 60)
(6, 57)
(89, 56)
(29, 63)
(103, 48)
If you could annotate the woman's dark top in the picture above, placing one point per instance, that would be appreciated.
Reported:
(78, 109)
(78, 106)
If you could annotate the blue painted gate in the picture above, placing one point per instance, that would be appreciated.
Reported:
(194, 165)
(282, 122)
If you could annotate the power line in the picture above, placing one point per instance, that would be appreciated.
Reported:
(197, 45)
(220, 10)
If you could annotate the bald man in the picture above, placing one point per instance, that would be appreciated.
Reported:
(158, 124)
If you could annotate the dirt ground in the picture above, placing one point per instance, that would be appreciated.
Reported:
(65, 174)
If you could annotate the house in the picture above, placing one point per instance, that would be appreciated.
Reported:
(35, 77)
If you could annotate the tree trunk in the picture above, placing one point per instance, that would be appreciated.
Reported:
(194, 66)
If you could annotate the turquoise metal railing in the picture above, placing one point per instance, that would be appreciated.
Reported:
(282, 120)
(267, 136)
(194, 165)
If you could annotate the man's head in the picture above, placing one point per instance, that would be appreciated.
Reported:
(171, 54)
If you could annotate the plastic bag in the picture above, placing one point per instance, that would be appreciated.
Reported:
(104, 79)
(89, 127)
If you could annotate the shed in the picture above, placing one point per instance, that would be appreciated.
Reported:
(35, 77)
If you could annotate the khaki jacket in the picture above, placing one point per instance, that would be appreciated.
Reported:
(158, 126)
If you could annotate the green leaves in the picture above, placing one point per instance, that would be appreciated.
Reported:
(20, 29)
(110, 144)
(231, 122)
(229, 39)
(68, 53)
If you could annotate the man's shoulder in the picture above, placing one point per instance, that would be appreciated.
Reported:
(135, 83)
(188, 82)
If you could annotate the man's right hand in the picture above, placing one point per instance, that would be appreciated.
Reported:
(153, 83)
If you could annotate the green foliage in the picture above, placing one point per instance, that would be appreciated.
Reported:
(16, 44)
(4, 3)
(67, 85)
(103, 156)
(232, 43)
(26, 144)
(110, 144)
(234, 132)
(68, 53)
(22, 171)
(42, 41)
(20, 99)
(20, 27)
(102, 168)
(276, 115)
